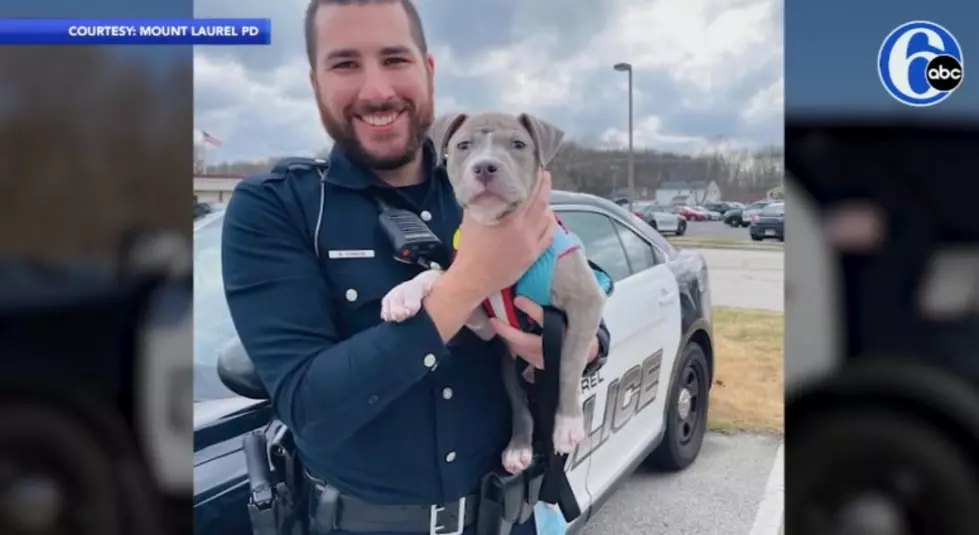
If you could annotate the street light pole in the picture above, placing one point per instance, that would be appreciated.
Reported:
(632, 156)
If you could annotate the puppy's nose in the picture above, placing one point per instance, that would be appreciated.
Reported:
(486, 170)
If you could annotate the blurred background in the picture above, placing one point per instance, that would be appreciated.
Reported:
(95, 281)
(882, 281)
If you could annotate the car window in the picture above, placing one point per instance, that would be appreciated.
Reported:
(600, 240)
(640, 253)
(774, 209)
(212, 321)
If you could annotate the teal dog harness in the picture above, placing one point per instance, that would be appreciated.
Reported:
(536, 283)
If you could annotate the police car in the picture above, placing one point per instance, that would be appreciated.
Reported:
(648, 404)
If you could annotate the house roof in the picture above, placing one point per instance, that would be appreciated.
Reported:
(684, 184)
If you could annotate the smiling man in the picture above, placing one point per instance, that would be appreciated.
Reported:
(391, 419)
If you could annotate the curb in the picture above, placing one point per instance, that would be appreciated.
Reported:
(770, 519)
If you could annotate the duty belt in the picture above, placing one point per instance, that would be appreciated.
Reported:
(330, 510)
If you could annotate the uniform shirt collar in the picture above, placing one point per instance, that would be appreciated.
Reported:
(351, 175)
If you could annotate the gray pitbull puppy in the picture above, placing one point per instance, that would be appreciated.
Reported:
(494, 161)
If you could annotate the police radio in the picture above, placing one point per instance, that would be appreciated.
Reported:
(412, 240)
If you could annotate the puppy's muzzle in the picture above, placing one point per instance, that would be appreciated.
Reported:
(486, 170)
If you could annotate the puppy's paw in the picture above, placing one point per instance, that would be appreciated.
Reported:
(517, 457)
(402, 302)
(569, 431)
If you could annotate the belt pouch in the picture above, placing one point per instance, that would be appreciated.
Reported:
(494, 517)
(323, 509)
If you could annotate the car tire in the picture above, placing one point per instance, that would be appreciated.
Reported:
(878, 458)
(684, 434)
(757, 238)
(61, 468)
(681, 228)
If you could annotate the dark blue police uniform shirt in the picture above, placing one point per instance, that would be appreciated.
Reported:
(383, 411)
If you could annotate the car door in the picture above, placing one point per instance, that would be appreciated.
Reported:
(623, 402)
(663, 220)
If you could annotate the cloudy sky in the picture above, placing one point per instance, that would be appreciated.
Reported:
(706, 71)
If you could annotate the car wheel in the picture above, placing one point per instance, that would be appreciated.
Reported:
(55, 476)
(686, 413)
(757, 238)
(681, 228)
(894, 471)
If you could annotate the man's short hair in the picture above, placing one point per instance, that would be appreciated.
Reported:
(417, 32)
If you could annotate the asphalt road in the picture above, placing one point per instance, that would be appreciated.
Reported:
(717, 230)
(746, 278)
(719, 494)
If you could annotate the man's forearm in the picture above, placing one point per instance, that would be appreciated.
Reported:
(451, 302)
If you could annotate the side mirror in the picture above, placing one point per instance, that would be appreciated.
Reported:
(237, 372)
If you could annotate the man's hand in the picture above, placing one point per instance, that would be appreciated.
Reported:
(529, 346)
(494, 257)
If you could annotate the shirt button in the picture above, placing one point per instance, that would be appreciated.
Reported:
(450, 457)
(429, 360)
(373, 399)
(351, 295)
(426, 215)
(447, 393)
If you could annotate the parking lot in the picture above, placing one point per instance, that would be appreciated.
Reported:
(717, 230)
(735, 486)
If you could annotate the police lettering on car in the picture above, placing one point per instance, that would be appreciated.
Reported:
(624, 396)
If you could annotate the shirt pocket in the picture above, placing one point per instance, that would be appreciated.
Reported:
(359, 285)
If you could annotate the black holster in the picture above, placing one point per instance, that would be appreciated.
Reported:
(507, 499)
(273, 507)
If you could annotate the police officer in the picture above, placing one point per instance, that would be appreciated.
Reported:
(408, 414)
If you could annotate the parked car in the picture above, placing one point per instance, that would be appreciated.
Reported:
(720, 206)
(770, 223)
(711, 214)
(662, 349)
(743, 217)
(94, 386)
(662, 218)
(201, 209)
(690, 214)
(733, 217)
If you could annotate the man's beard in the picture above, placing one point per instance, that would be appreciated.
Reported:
(420, 119)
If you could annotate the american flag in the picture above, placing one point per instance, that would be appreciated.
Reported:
(208, 138)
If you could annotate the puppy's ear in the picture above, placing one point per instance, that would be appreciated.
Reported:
(442, 130)
(546, 136)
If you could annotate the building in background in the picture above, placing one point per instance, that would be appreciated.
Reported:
(214, 187)
(682, 192)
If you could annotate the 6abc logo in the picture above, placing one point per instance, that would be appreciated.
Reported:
(920, 63)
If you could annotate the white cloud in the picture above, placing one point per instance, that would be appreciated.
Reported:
(767, 104)
(649, 132)
(702, 69)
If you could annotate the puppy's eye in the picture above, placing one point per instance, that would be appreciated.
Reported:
(462, 145)
(517, 144)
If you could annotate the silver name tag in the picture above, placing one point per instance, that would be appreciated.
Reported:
(366, 253)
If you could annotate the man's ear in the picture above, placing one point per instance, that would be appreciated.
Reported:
(442, 130)
(546, 136)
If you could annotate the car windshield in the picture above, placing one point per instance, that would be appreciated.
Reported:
(212, 321)
(774, 209)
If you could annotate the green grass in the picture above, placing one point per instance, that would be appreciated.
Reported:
(747, 394)
(722, 242)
